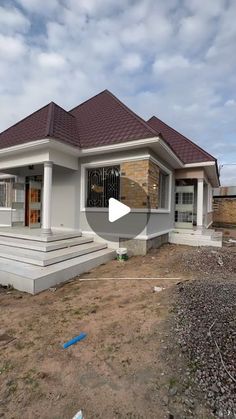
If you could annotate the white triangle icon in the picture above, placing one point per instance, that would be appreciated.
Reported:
(117, 210)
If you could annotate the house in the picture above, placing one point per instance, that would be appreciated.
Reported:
(60, 169)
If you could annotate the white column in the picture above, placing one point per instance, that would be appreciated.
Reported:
(47, 198)
(200, 197)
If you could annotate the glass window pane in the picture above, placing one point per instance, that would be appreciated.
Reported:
(163, 190)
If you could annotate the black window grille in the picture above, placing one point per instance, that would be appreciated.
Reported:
(103, 183)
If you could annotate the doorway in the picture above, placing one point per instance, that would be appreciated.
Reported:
(33, 201)
(184, 206)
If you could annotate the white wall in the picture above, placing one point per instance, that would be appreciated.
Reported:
(5, 217)
(159, 223)
(65, 198)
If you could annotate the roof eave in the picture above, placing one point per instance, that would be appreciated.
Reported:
(211, 169)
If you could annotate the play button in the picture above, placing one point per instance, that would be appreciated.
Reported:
(116, 217)
(117, 210)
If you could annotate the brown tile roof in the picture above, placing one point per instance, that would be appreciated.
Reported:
(105, 120)
(184, 148)
(49, 121)
(101, 120)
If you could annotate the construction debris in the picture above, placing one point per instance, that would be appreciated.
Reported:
(74, 340)
(158, 289)
(78, 415)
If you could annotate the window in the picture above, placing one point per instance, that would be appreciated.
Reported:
(5, 193)
(103, 183)
(163, 190)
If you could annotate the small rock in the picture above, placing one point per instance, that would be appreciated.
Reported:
(173, 391)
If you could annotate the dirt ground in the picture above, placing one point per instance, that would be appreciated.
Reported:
(126, 367)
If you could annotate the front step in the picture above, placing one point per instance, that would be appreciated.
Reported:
(34, 263)
(34, 279)
(189, 239)
(42, 246)
(36, 234)
(34, 257)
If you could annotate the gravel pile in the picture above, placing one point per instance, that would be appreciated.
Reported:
(220, 263)
(206, 332)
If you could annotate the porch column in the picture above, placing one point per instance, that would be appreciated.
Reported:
(47, 198)
(200, 194)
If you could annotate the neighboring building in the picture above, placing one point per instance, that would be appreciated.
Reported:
(62, 163)
(224, 206)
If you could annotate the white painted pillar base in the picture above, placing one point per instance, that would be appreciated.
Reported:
(200, 196)
(47, 198)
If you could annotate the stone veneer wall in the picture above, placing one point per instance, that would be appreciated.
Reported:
(224, 211)
(139, 184)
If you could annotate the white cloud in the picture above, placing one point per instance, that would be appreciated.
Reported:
(12, 20)
(230, 102)
(39, 6)
(51, 60)
(167, 63)
(131, 62)
(11, 48)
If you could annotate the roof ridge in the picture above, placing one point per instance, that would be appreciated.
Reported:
(60, 107)
(23, 119)
(190, 141)
(50, 121)
(87, 100)
(127, 109)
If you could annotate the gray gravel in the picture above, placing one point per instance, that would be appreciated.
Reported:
(209, 262)
(206, 318)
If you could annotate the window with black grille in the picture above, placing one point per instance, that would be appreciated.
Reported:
(103, 183)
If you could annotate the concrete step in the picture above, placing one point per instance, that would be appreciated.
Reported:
(43, 246)
(34, 279)
(39, 258)
(193, 237)
(204, 232)
(36, 234)
(194, 240)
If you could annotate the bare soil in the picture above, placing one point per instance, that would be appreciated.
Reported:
(128, 366)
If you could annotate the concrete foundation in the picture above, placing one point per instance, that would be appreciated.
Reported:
(141, 247)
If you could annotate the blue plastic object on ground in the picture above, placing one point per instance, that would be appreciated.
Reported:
(74, 340)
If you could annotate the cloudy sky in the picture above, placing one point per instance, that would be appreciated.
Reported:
(172, 58)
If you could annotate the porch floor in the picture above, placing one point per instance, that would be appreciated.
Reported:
(36, 234)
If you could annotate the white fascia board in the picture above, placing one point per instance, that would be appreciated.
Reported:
(119, 147)
(201, 164)
(75, 151)
(23, 147)
(129, 145)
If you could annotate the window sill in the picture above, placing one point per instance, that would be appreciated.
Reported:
(5, 209)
